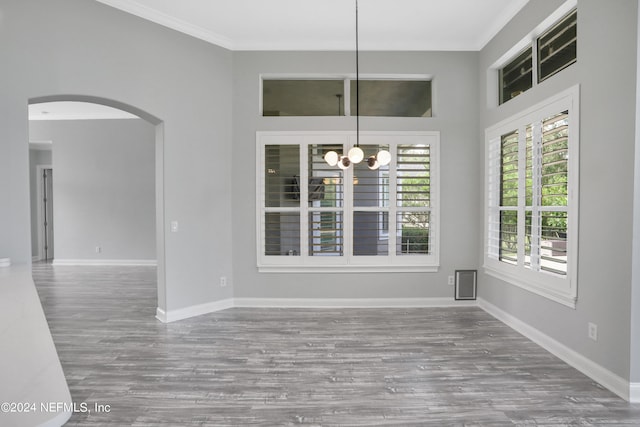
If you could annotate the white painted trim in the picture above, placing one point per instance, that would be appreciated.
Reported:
(634, 392)
(104, 262)
(341, 269)
(161, 315)
(349, 302)
(219, 39)
(168, 21)
(569, 301)
(214, 306)
(192, 311)
(502, 19)
(606, 378)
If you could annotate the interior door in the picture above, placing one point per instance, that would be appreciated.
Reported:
(47, 203)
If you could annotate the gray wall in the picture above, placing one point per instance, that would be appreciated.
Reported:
(36, 157)
(455, 101)
(635, 292)
(78, 47)
(103, 187)
(606, 72)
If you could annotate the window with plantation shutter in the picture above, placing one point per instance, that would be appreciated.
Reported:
(311, 215)
(325, 200)
(413, 197)
(532, 181)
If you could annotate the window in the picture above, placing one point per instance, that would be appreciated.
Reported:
(392, 98)
(555, 49)
(312, 215)
(302, 97)
(532, 182)
(398, 96)
(516, 76)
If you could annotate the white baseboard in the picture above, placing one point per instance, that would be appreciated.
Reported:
(606, 378)
(211, 307)
(634, 392)
(104, 262)
(349, 302)
(192, 311)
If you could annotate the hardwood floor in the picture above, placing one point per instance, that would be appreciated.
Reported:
(273, 367)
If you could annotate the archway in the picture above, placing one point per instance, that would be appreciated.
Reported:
(159, 173)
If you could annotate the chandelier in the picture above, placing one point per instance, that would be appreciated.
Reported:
(355, 154)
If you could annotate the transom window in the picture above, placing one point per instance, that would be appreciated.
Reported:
(552, 51)
(532, 174)
(315, 96)
(312, 215)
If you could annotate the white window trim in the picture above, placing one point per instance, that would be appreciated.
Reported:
(556, 288)
(348, 263)
(528, 41)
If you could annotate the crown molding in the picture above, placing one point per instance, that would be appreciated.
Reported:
(168, 21)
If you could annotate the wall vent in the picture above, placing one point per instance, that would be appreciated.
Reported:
(466, 284)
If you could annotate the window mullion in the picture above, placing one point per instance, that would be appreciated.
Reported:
(493, 213)
(304, 201)
(522, 190)
(534, 62)
(347, 97)
(393, 203)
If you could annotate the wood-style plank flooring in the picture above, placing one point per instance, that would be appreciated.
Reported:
(277, 367)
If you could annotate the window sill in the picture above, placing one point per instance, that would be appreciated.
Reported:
(348, 269)
(534, 287)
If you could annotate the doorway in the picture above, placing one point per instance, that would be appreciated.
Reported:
(47, 180)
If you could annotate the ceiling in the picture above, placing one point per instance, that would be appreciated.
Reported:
(414, 25)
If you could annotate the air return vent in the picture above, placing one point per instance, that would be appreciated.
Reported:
(466, 285)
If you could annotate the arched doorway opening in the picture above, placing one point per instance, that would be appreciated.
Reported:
(158, 127)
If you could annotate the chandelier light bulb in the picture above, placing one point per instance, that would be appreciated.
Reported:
(356, 155)
(331, 158)
(344, 162)
(383, 157)
(372, 163)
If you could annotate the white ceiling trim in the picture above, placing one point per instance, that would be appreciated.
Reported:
(170, 22)
(135, 8)
(499, 23)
